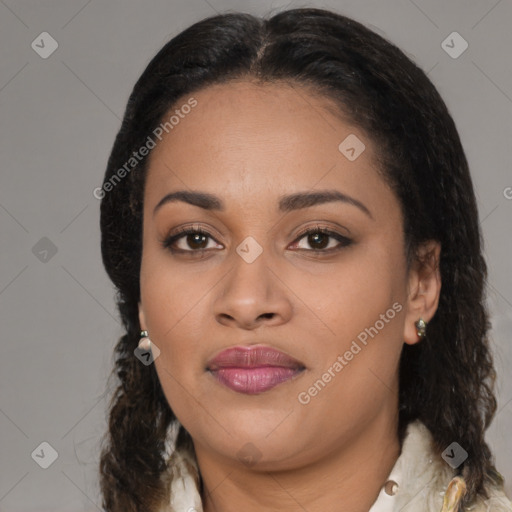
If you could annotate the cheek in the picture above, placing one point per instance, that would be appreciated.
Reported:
(356, 360)
(170, 301)
(362, 304)
(356, 292)
(172, 308)
(168, 290)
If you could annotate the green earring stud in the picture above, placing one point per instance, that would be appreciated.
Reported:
(421, 328)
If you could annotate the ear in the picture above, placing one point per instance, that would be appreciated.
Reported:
(424, 288)
(142, 318)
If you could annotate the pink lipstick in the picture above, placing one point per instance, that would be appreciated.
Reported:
(254, 369)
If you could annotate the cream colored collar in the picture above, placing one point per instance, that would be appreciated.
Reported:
(420, 481)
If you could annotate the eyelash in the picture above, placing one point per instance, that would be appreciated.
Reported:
(344, 241)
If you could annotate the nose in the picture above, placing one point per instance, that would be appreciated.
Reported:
(251, 295)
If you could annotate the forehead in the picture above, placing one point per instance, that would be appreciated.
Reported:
(261, 141)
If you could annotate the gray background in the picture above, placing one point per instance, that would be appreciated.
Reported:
(59, 117)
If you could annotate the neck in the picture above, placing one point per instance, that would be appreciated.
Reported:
(349, 478)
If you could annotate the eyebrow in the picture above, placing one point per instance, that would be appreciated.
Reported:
(287, 203)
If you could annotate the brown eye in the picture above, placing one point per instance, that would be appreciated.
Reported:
(319, 240)
(194, 240)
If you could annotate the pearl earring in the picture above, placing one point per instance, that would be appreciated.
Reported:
(144, 342)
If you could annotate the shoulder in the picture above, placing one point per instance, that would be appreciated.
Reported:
(430, 484)
(497, 502)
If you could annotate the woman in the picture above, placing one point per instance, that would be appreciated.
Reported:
(289, 219)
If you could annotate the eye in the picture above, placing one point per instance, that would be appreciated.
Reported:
(322, 239)
(195, 238)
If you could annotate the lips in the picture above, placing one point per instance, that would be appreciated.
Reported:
(254, 369)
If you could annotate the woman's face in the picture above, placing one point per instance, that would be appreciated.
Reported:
(336, 304)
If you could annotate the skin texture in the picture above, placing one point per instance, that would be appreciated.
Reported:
(249, 145)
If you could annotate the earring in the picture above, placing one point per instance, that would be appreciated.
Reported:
(421, 328)
(144, 342)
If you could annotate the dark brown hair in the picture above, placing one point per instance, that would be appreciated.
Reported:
(447, 380)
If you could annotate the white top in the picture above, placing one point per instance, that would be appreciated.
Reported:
(417, 482)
